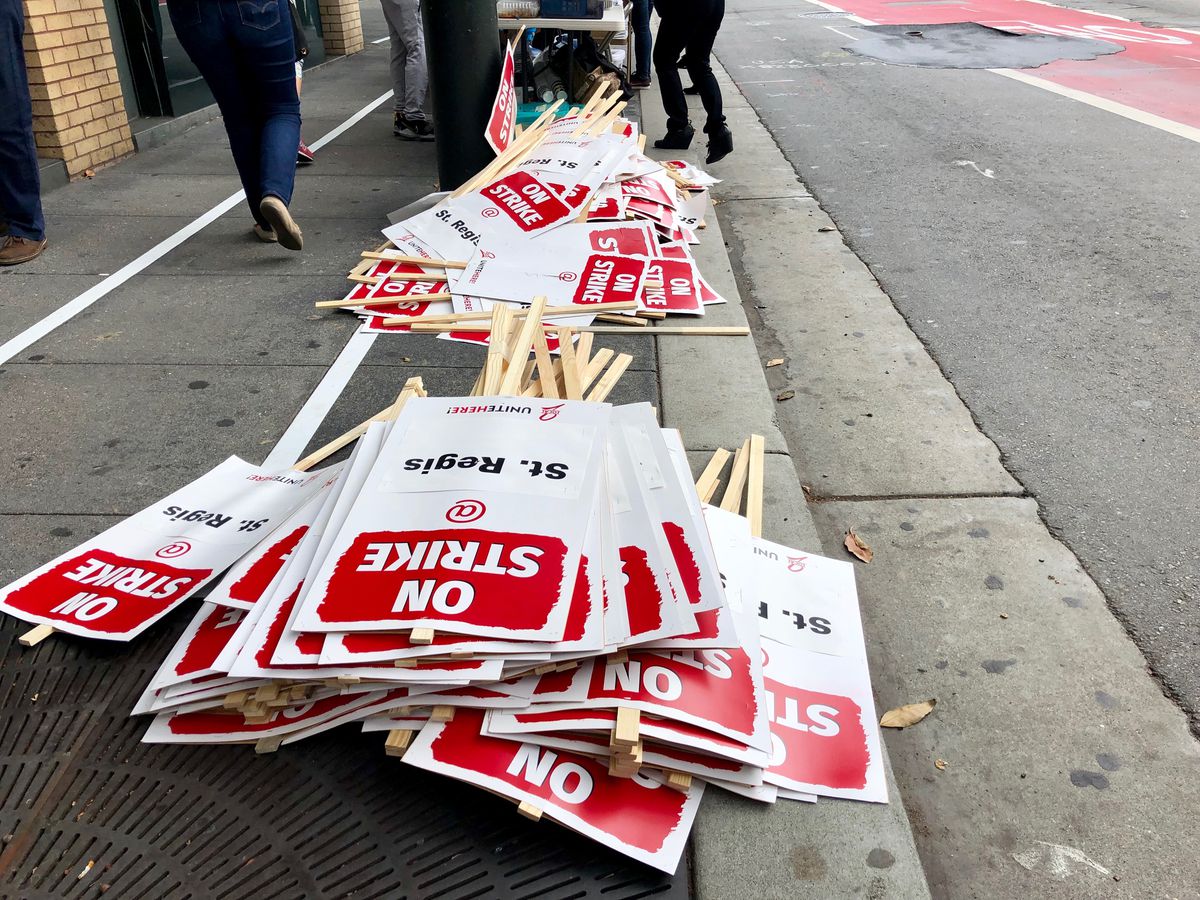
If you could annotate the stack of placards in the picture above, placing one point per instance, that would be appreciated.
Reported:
(572, 211)
(520, 589)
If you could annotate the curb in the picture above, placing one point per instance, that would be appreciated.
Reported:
(715, 391)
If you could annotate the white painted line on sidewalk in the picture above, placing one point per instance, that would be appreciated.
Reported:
(352, 121)
(289, 447)
(65, 313)
(1142, 117)
(381, 40)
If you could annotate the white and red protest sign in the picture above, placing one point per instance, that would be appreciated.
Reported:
(718, 690)
(511, 208)
(675, 288)
(824, 736)
(469, 522)
(248, 579)
(195, 653)
(695, 178)
(540, 719)
(503, 118)
(566, 272)
(651, 188)
(805, 600)
(217, 727)
(621, 238)
(647, 585)
(120, 582)
(639, 816)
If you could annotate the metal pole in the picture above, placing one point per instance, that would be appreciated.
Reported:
(463, 51)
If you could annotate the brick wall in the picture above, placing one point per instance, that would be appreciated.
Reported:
(341, 26)
(78, 111)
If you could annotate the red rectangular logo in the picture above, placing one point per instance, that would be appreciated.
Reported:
(106, 593)
(470, 576)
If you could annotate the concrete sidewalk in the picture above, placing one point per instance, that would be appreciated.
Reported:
(1065, 771)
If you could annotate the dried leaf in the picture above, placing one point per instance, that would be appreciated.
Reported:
(89, 173)
(940, 764)
(858, 547)
(911, 714)
(771, 363)
(785, 395)
(826, 228)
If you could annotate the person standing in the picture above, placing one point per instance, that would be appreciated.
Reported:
(304, 155)
(690, 26)
(244, 50)
(20, 182)
(643, 44)
(410, 78)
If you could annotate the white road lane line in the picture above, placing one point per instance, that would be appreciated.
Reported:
(842, 33)
(65, 313)
(1170, 126)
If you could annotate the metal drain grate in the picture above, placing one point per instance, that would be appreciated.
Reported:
(329, 817)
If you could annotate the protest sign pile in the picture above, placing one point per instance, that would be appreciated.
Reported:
(521, 589)
(572, 210)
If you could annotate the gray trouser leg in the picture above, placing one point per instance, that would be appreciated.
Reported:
(410, 80)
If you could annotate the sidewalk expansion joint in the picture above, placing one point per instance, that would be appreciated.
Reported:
(949, 495)
(802, 196)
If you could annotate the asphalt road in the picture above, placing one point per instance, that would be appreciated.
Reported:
(1047, 253)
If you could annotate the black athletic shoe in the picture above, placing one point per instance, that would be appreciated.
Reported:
(720, 143)
(412, 129)
(676, 140)
(639, 82)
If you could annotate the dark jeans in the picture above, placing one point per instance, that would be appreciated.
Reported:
(691, 26)
(20, 184)
(244, 50)
(643, 43)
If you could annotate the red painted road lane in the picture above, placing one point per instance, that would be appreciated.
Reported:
(1158, 72)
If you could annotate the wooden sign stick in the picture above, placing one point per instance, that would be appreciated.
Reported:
(627, 321)
(420, 326)
(570, 365)
(706, 484)
(594, 367)
(589, 116)
(754, 484)
(545, 366)
(511, 383)
(610, 378)
(606, 121)
(551, 312)
(384, 301)
(391, 256)
(731, 500)
(583, 352)
(36, 635)
(414, 387)
(493, 368)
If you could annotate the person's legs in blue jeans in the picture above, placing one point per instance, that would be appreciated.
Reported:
(245, 53)
(20, 187)
(643, 42)
(266, 53)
